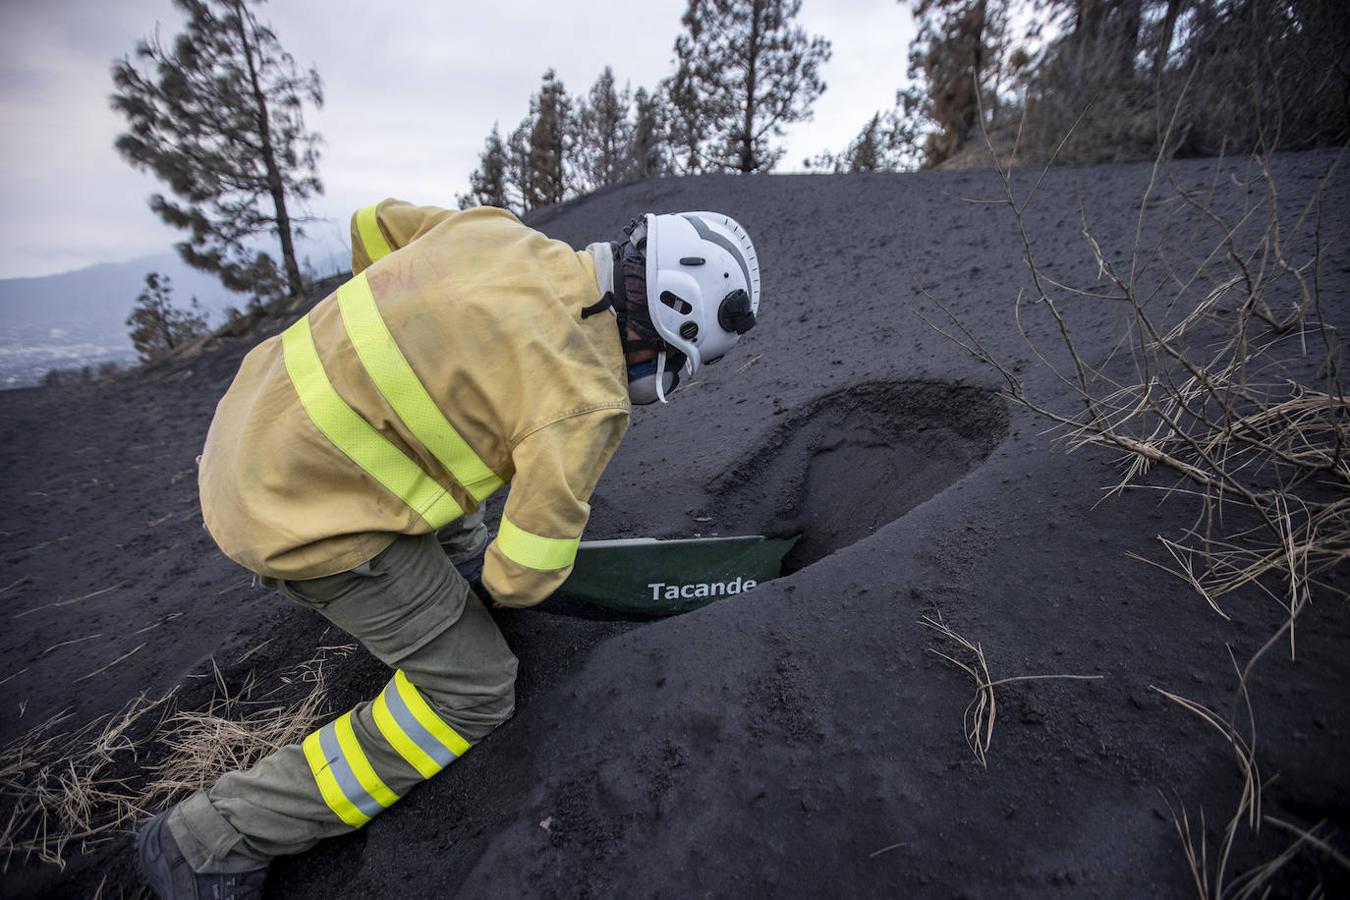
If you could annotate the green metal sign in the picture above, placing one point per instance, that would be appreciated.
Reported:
(663, 578)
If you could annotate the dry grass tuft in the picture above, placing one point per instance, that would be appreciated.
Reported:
(235, 731)
(982, 711)
(69, 791)
(65, 787)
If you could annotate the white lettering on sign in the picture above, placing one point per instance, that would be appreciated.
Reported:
(662, 591)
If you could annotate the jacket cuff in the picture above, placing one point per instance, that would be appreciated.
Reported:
(512, 584)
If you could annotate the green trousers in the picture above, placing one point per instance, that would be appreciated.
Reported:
(454, 681)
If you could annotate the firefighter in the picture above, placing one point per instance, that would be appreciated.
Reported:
(348, 462)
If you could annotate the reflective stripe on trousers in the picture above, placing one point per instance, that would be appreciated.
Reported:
(414, 613)
(348, 783)
(412, 728)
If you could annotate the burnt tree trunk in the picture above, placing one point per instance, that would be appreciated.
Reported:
(748, 135)
(275, 185)
(1165, 35)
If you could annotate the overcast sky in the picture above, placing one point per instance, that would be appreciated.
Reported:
(412, 89)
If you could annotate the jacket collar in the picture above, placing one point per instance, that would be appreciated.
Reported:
(603, 254)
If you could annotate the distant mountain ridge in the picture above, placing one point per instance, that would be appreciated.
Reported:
(78, 318)
(102, 292)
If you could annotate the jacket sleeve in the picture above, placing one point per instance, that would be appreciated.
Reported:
(382, 228)
(556, 471)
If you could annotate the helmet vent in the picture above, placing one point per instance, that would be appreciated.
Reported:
(682, 307)
(692, 260)
(689, 330)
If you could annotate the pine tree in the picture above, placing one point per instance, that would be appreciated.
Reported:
(961, 43)
(1238, 73)
(745, 69)
(218, 117)
(887, 143)
(649, 153)
(520, 175)
(864, 154)
(604, 135)
(157, 326)
(488, 183)
(549, 143)
(690, 122)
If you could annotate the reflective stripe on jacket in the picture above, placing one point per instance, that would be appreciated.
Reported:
(434, 376)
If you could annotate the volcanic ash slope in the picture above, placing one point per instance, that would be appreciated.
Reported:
(799, 739)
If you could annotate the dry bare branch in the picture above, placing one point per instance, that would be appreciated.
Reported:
(982, 711)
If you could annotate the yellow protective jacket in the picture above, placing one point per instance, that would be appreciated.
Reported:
(454, 361)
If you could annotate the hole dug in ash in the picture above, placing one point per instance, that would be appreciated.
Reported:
(832, 473)
(848, 463)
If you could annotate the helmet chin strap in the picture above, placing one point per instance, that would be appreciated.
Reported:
(661, 376)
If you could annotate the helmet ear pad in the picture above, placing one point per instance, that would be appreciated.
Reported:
(637, 306)
(734, 313)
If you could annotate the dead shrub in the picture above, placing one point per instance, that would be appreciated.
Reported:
(1234, 387)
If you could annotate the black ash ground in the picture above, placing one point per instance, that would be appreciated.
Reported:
(800, 739)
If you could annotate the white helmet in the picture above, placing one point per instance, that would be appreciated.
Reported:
(702, 281)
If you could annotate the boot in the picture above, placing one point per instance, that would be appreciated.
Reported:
(166, 871)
